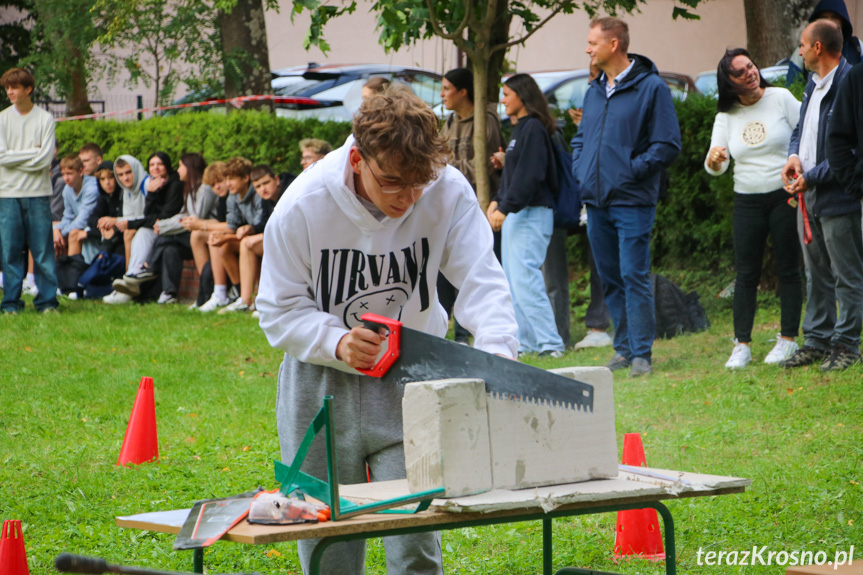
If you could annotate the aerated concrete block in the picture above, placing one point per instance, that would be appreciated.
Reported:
(535, 445)
(446, 436)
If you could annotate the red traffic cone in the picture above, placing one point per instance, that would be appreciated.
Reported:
(637, 529)
(141, 443)
(13, 556)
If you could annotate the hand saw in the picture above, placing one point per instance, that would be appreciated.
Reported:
(412, 355)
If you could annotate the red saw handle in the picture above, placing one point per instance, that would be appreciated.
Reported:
(374, 322)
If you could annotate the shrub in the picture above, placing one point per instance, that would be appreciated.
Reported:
(261, 137)
(693, 224)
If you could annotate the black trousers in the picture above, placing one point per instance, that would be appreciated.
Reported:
(167, 258)
(755, 217)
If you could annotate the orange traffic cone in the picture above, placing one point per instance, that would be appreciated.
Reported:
(13, 556)
(637, 529)
(141, 443)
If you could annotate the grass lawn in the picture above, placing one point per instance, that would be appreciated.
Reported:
(68, 383)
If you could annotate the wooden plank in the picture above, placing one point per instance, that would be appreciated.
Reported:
(587, 495)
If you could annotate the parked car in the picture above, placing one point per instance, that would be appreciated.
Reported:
(334, 92)
(706, 81)
(327, 92)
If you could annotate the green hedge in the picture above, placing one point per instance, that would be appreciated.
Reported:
(259, 136)
(693, 225)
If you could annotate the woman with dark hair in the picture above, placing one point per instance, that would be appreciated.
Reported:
(522, 210)
(164, 199)
(173, 245)
(457, 96)
(754, 126)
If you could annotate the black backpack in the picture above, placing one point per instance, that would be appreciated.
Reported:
(676, 312)
(68, 270)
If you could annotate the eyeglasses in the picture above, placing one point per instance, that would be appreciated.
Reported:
(393, 188)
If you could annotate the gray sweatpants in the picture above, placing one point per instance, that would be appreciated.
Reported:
(368, 421)
(834, 274)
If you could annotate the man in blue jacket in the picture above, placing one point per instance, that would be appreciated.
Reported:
(828, 214)
(628, 135)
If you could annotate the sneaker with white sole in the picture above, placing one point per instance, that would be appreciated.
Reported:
(30, 289)
(783, 350)
(213, 304)
(193, 306)
(127, 286)
(594, 339)
(116, 298)
(740, 356)
(238, 305)
(166, 298)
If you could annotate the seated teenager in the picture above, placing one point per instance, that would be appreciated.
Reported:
(164, 198)
(245, 217)
(313, 150)
(268, 185)
(110, 205)
(91, 157)
(79, 198)
(173, 245)
(133, 181)
(214, 179)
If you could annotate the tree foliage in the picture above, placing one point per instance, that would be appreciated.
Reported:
(159, 43)
(14, 38)
(474, 26)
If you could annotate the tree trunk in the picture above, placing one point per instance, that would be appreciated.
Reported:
(77, 99)
(499, 35)
(480, 121)
(769, 35)
(245, 54)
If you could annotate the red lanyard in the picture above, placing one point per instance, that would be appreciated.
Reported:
(807, 231)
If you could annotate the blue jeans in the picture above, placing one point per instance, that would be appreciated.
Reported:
(26, 223)
(523, 247)
(620, 239)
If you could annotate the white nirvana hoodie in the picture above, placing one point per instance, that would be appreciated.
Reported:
(328, 260)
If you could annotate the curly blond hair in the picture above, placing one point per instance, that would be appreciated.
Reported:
(401, 133)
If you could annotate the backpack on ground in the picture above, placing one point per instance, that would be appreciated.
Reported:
(96, 281)
(68, 269)
(676, 312)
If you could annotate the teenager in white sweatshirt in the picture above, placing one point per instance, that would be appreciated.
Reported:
(367, 229)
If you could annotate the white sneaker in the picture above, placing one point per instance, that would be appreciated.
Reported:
(116, 298)
(256, 314)
(193, 306)
(213, 304)
(238, 305)
(30, 289)
(594, 339)
(782, 350)
(739, 357)
(166, 298)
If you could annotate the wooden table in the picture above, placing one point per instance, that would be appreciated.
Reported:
(627, 491)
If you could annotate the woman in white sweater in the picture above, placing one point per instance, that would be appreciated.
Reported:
(753, 127)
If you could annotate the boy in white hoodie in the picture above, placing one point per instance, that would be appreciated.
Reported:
(366, 229)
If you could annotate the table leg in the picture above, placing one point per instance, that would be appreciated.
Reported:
(547, 544)
(198, 560)
(668, 530)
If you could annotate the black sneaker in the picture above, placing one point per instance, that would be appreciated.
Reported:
(617, 362)
(806, 355)
(840, 358)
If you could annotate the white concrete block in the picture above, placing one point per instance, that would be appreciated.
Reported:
(446, 436)
(534, 445)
